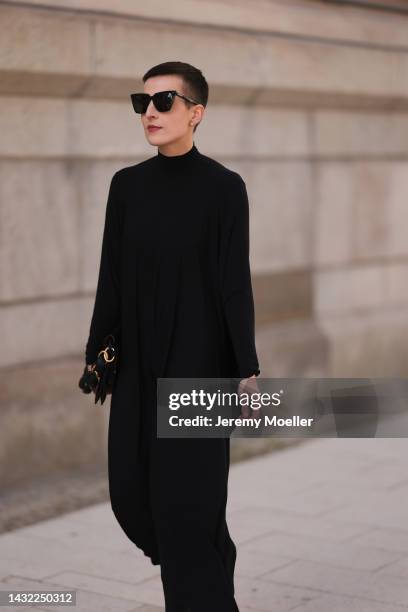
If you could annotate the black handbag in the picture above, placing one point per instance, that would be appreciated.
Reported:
(100, 376)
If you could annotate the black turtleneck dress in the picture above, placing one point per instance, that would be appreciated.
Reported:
(174, 272)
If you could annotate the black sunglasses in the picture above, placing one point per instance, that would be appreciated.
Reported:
(162, 100)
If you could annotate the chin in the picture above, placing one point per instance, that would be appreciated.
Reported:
(155, 139)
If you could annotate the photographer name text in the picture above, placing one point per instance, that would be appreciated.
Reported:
(267, 421)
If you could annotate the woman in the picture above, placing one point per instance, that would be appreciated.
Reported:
(175, 272)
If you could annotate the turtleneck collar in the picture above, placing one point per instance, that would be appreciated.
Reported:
(177, 162)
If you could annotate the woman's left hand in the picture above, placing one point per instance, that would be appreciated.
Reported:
(248, 386)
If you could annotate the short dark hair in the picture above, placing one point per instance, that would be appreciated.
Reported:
(195, 84)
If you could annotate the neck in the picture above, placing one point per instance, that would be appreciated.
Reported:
(177, 147)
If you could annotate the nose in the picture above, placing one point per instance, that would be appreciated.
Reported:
(151, 109)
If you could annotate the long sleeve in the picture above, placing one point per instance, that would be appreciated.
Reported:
(235, 281)
(106, 311)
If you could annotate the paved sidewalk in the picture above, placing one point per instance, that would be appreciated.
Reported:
(320, 526)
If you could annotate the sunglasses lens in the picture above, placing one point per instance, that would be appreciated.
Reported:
(163, 101)
(140, 102)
